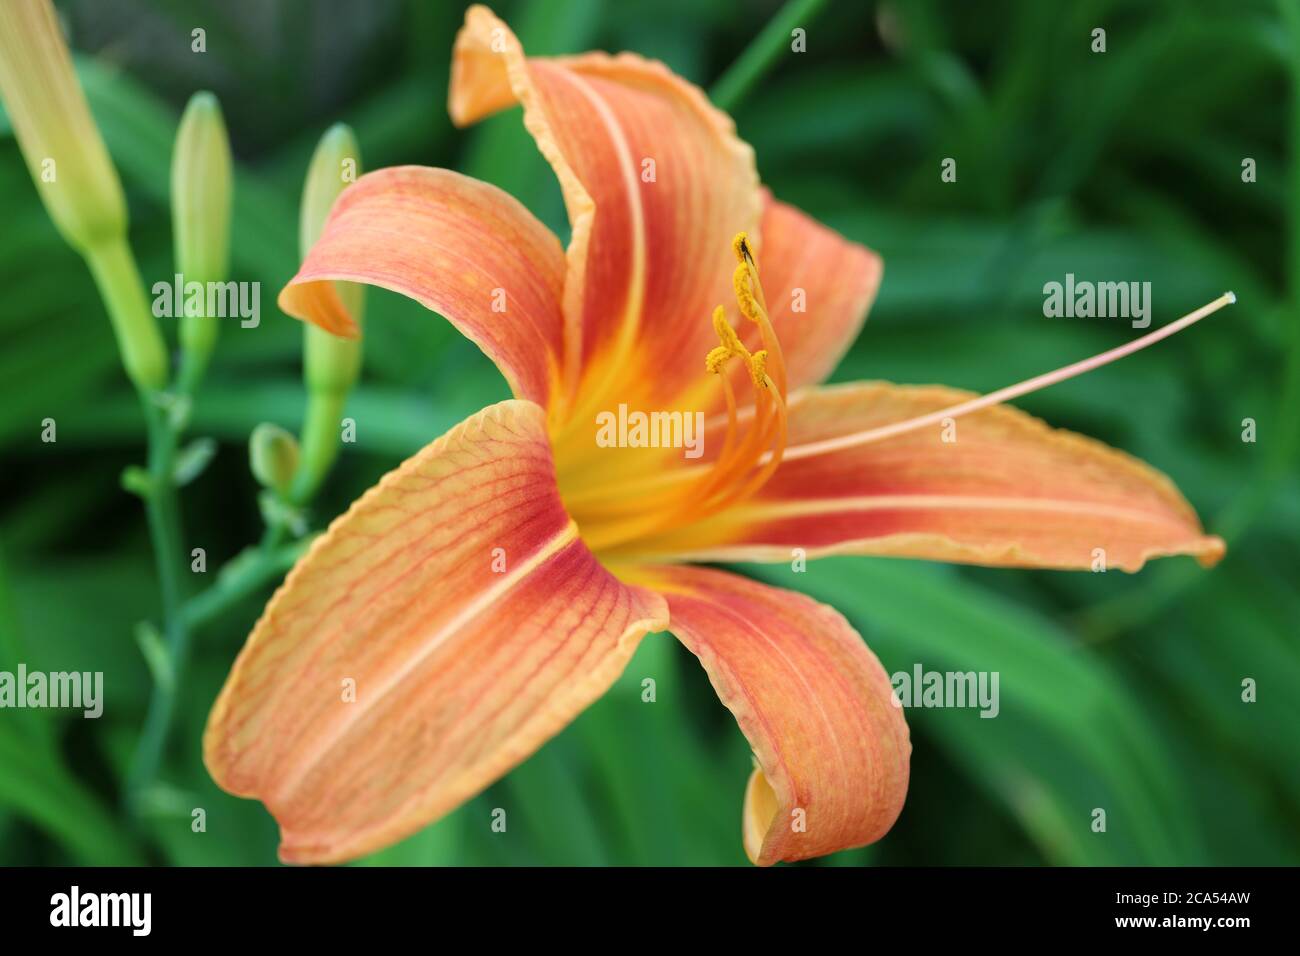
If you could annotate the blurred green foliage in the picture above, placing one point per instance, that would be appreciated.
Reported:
(1122, 692)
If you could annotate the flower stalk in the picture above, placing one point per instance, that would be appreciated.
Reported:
(144, 355)
(83, 195)
(201, 200)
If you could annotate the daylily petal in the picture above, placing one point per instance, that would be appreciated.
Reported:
(1007, 490)
(828, 279)
(656, 184)
(457, 246)
(406, 662)
(816, 706)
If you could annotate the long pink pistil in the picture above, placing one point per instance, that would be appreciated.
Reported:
(794, 452)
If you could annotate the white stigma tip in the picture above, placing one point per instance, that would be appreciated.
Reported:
(1231, 297)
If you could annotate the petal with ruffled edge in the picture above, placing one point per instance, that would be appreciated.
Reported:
(436, 635)
(460, 247)
(656, 184)
(816, 706)
(997, 488)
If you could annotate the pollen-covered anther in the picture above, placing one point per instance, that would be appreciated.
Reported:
(740, 248)
(717, 359)
(740, 282)
(726, 334)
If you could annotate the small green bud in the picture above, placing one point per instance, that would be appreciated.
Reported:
(137, 480)
(335, 165)
(273, 457)
(201, 191)
(329, 362)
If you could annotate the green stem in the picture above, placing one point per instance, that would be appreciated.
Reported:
(163, 512)
(733, 86)
(319, 443)
(195, 352)
(144, 354)
(145, 357)
(249, 572)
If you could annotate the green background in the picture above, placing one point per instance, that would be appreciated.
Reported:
(1120, 692)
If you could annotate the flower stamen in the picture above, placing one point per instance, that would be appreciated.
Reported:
(746, 461)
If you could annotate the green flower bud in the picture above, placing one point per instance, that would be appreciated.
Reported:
(201, 188)
(75, 177)
(330, 364)
(59, 140)
(273, 457)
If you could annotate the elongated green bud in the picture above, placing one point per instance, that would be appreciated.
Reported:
(330, 364)
(74, 175)
(58, 137)
(201, 190)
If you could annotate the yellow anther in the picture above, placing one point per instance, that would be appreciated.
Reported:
(726, 334)
(732, 346)
(740, 246)
(744, 280)
(717, 358)
(744, 292)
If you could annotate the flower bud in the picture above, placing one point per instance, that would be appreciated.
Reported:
(273, 457)
(329, 362)
(75, 177)
(59, 140)
(201, 189)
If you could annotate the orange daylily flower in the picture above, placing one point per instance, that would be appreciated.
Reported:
(496, 583)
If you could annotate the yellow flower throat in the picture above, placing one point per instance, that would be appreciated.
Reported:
(628, 515)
